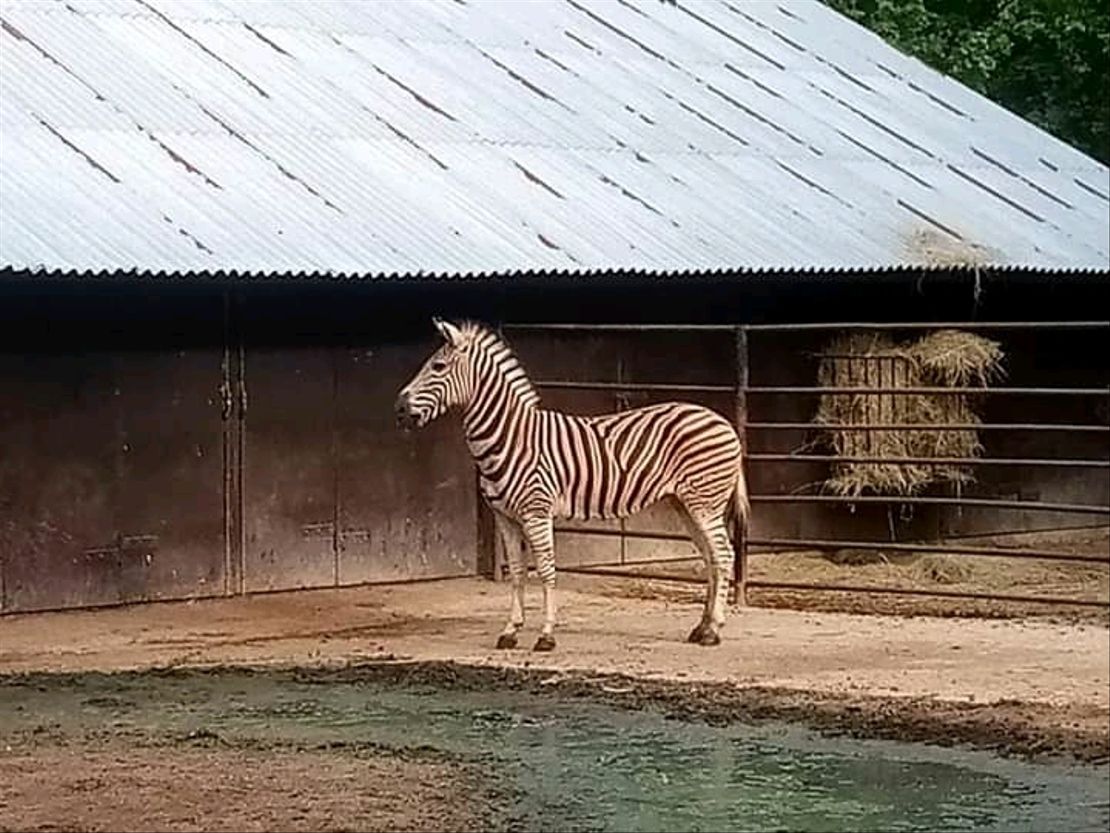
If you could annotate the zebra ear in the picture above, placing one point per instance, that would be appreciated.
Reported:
(451, 334)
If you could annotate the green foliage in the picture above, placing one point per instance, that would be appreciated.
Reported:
(1046, 60)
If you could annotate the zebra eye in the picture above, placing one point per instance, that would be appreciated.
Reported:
(439, 366)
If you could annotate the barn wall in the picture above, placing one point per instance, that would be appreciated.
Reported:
(112, 449)
(123, 425)
(124, 476)
(333, 492)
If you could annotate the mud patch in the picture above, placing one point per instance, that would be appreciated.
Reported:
(129, 786)
(1032, 731)
(1028, 730)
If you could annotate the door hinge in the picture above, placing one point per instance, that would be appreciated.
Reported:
(225, 395)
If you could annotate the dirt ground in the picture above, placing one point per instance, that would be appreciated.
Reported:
(1032, 687)
(1027, 686)
(122, 787)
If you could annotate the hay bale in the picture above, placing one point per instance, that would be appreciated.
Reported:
(945, 358)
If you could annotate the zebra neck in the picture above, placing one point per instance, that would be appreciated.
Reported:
(495, 421)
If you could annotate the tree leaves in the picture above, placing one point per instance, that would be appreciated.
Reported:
(1046, 60)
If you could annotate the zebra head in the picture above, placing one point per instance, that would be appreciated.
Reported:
(441, 384)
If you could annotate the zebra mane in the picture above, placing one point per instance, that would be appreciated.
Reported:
(491, 341)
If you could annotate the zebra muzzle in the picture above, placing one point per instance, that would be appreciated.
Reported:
(404, 414)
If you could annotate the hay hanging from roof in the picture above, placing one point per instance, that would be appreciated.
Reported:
(957, 359)
(944, 358)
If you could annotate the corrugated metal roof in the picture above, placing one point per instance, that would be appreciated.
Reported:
(431, 137)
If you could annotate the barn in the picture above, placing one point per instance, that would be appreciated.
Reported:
(224, 229)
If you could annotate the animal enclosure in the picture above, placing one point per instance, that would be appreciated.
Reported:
(200, 442)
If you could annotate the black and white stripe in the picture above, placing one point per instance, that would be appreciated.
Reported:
(535, 465)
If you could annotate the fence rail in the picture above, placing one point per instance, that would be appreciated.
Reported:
(632, 569)
(914, 591)
(742, 388)
(928, 426)
(817, 325)
(815, 389)
(931, 390)
(625, 572)
(557, 384)
(991, 503)
(933, 461)
(934, 549)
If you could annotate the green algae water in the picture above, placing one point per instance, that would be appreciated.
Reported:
(573, 765)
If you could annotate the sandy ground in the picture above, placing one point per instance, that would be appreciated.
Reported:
(1022, 684)
(459, 620)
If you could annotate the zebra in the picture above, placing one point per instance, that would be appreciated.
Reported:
(536, 465)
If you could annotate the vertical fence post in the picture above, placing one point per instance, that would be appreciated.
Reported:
(740, 538)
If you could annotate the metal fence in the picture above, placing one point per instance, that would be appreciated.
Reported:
(744, 392)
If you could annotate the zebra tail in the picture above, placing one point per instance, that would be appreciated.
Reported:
(740, 505)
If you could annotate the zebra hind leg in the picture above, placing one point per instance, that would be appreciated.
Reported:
(717, 534)
(711, 537)
(701, 541)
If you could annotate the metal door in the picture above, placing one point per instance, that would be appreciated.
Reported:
(407, 505)
(289, 468)
(111, 474)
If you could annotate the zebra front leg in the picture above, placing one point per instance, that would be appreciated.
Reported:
(512, 541)
(539, 533)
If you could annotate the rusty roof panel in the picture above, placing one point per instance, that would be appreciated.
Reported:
(447, 138)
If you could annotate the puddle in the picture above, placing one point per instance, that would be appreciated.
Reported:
(577, 765)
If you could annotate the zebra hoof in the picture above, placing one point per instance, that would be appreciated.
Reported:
(698, 634)
(546, 642)
(506, 640)
(709, 637)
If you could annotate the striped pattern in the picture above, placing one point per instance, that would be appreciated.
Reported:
(616, 465)
(535, 465)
